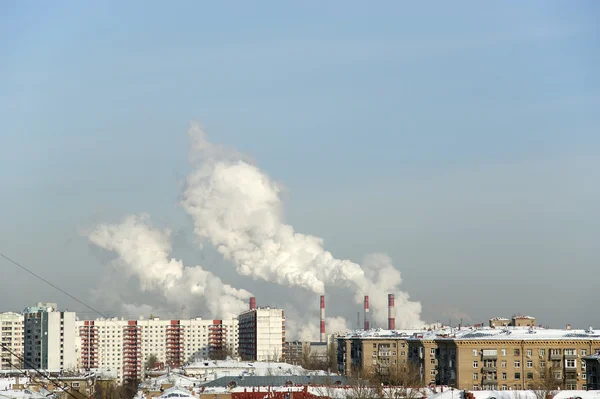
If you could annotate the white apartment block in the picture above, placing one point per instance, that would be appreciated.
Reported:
(11, 336)
(262, 334)
(121, 347)
(49, 338)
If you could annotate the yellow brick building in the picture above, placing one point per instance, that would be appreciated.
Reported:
(507, 357)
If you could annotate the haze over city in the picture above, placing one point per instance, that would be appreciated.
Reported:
(448, 155)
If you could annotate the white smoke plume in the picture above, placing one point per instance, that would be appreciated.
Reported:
(238, 208)
(144, 252)
(297, 328)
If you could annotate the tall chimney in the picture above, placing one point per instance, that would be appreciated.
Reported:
(367, 326)
(252, 303)
(323, 318)
(391, 312)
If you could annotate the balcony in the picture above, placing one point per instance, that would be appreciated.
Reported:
(487, 369)
(490, 382)
(570, 355)
(556, 356)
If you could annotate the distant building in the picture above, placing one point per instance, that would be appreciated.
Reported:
(592, 370)
(49, 338)
(262, 334)
(122, 346)
(508, 358)
(12, 340)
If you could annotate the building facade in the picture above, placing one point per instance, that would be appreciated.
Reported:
(262, 334)
(11, 336)
(121, 347)
(476, 358)
(49, 338)
(592, 368)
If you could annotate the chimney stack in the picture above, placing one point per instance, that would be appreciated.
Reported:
(367, 326)
(323, 339)
(391, 312)
(252, 303)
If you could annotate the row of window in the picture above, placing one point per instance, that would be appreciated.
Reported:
(492, 376)
(529, 352)
(515, 387)
(569, 363)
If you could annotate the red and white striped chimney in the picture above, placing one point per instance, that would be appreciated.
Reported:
(252, 303)
(323, 339)
(367, 326)
(391, 312)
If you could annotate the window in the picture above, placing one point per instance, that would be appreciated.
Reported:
(503, 364)
(584, 376)
(432, 372)
(505, 387)
(517, 376)
(557, 375)
(517, 364)
(517, 352)
(583, 365)
(529, 352)
(570, 363)
(529, 364)
(475, 364)
(476, 387)
(475, 353)
(542, 365)
(571, 352)
(530, 376)
(432, 361)
(584, 352)
(572, 387)
(542, 352)
(503, 352)
(374, 345)
(504, 376)
(476, 376)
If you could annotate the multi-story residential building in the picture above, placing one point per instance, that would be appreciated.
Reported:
(262, 334)
(11, 336)
(49, 338)
(296, 352)
(592, 371)
(475, 358)
(121, 347)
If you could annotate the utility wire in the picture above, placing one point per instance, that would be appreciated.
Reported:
(52, 285)
(40, 373)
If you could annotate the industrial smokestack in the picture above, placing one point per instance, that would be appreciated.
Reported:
(367, 326)
(323, 318)
(391, 312)
(252, 303)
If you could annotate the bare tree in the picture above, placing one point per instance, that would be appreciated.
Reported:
(220, 353)
(547, 382)
(150, 362)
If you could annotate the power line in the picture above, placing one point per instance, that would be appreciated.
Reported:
(52, 285)
(40, 372)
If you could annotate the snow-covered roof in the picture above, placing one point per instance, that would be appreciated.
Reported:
(480, 333)
(5, 383)
(252, 368)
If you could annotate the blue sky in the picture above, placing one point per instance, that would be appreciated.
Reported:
(461, 139)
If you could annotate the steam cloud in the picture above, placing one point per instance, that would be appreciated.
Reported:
(144, 252)
(237, 208)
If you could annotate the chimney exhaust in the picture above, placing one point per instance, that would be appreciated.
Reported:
(323, 318)
(367, 326)
(252, 303)
(391, 312)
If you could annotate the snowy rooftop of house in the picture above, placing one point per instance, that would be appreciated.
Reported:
(479, 333)
(254, 368)
(510, 394)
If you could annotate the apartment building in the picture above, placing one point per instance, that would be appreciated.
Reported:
(592, 368)
(519, 357)
(11, 336)
(121, 347)
(262, 334)
(49, 338)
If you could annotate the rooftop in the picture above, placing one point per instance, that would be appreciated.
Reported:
(479, 333)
